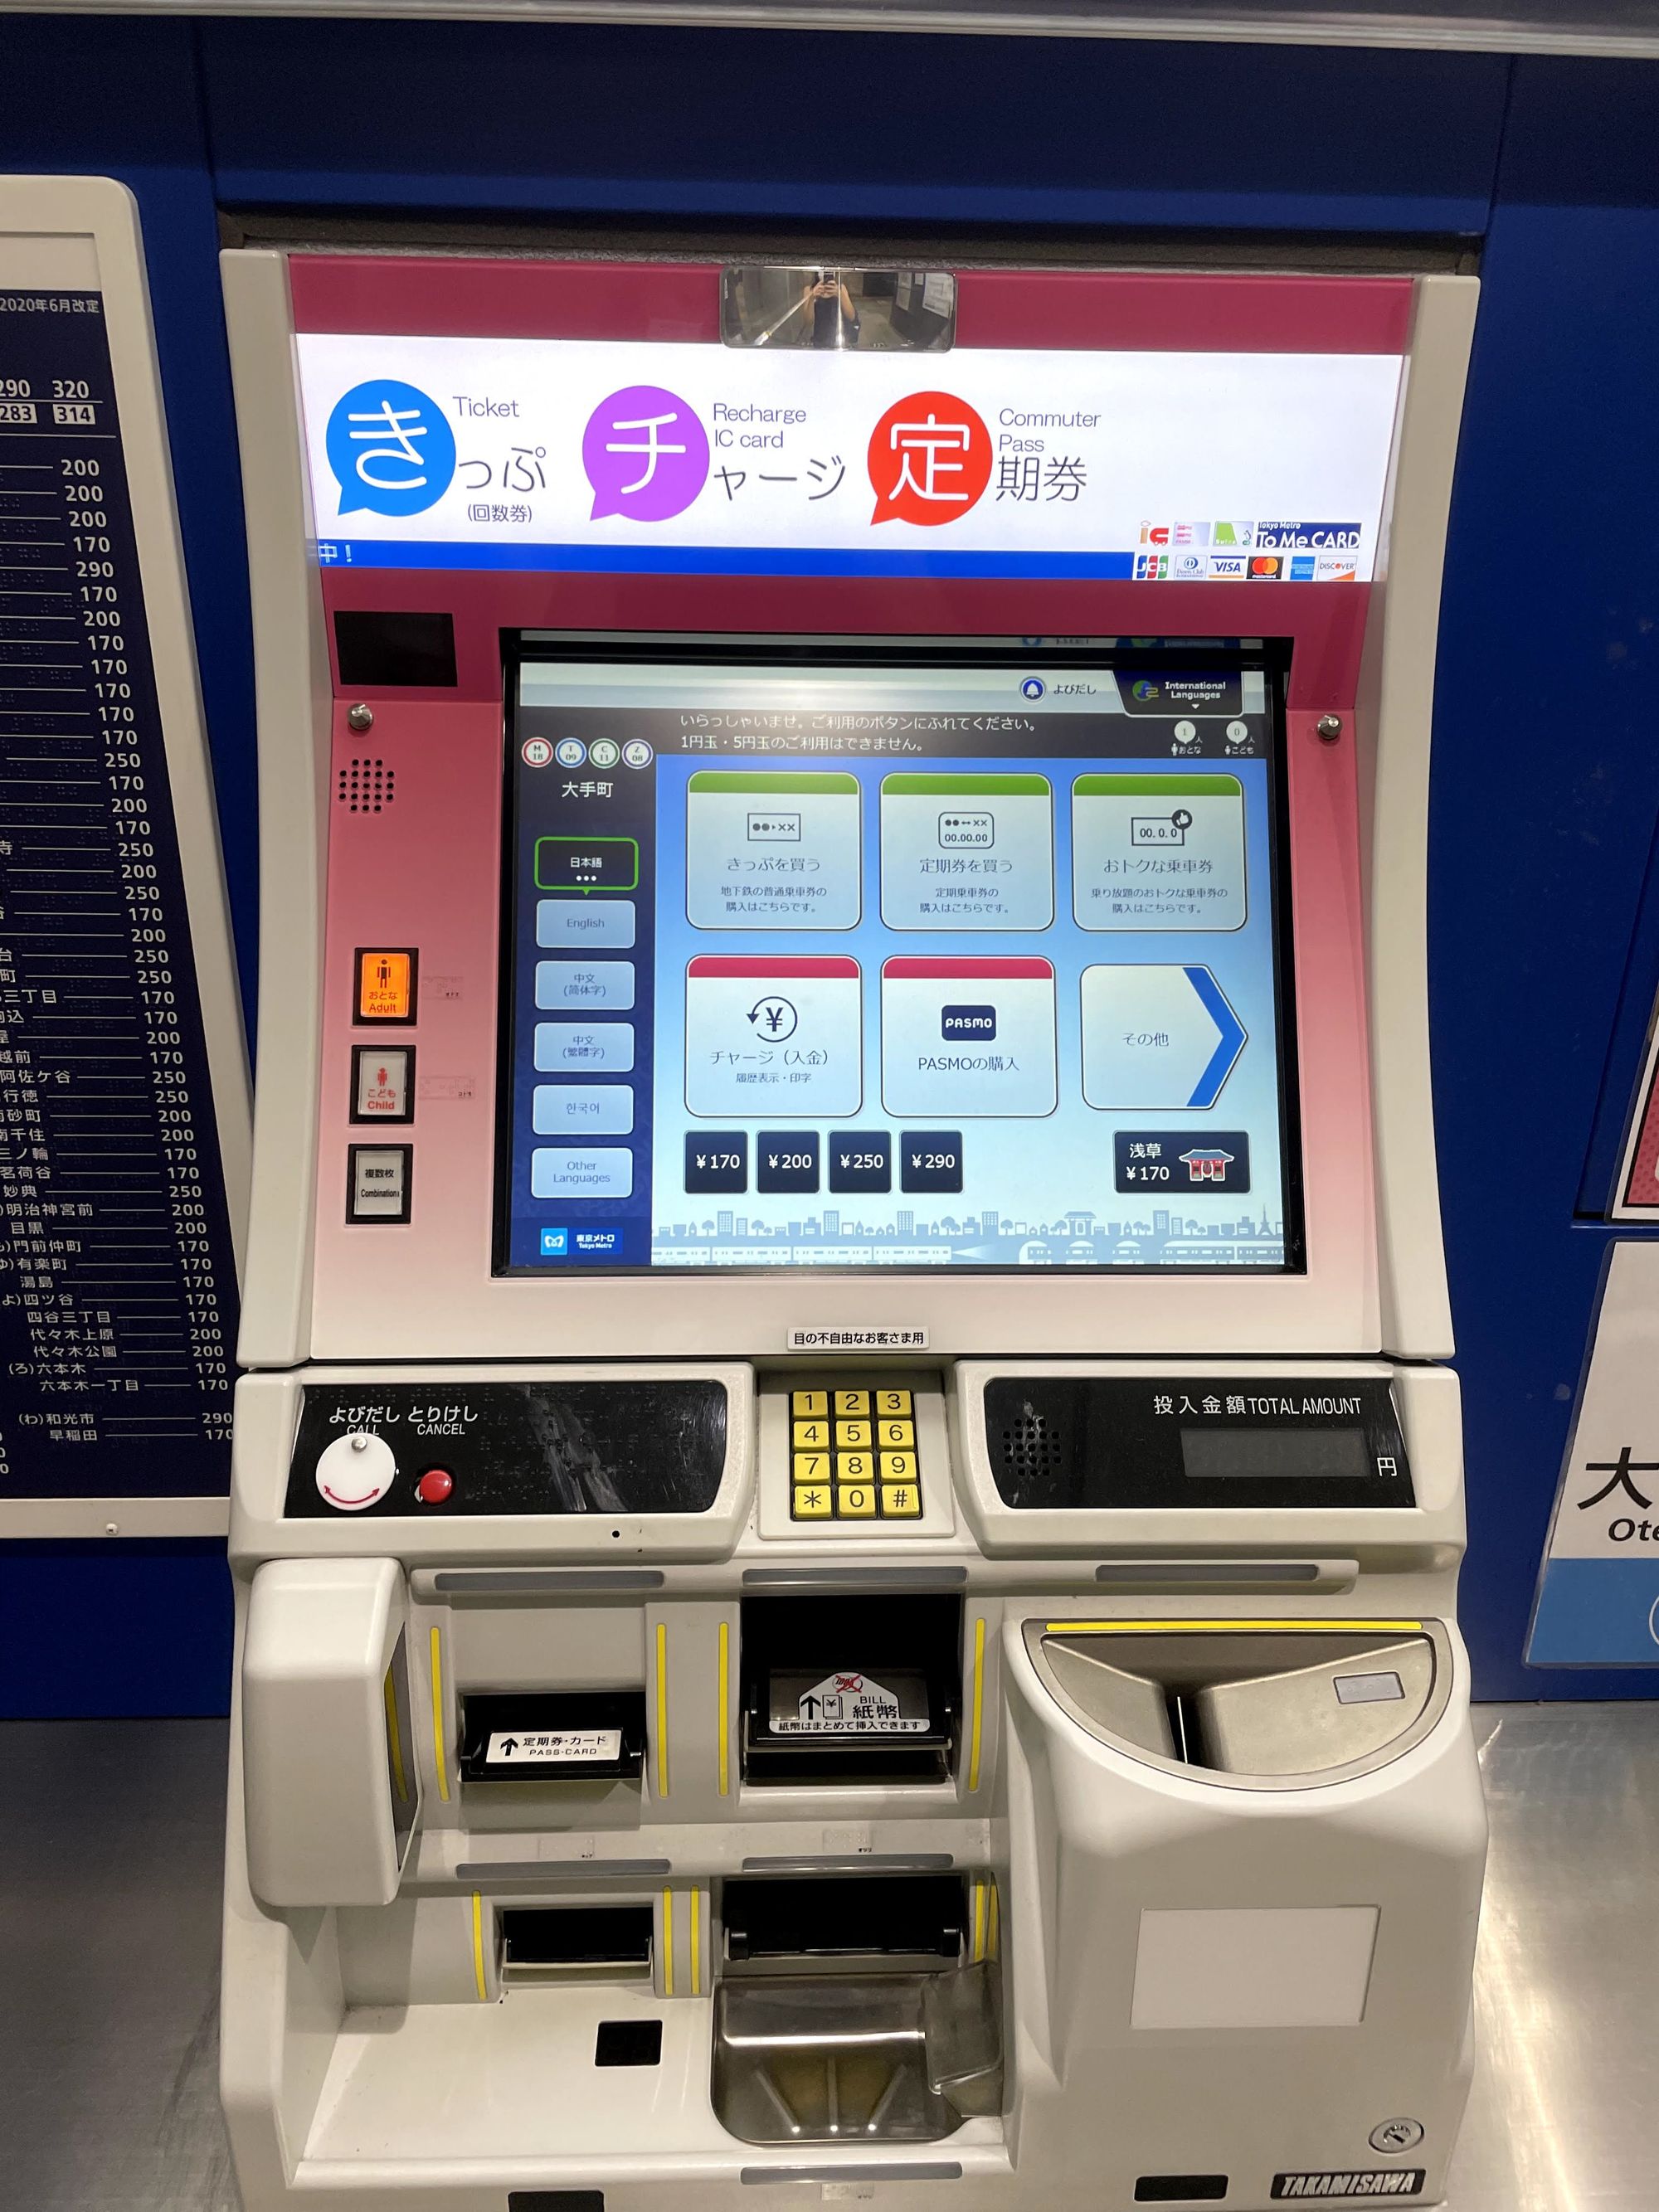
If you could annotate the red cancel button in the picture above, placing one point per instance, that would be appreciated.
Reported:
(435, 1486)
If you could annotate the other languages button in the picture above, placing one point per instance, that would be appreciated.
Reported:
(581, 1171)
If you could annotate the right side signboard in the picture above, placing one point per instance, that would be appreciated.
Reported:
(1598, 1595)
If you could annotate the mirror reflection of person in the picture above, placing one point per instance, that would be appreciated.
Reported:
(835, 318)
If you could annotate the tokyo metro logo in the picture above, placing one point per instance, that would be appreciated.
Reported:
(929, 460)
(391, 448)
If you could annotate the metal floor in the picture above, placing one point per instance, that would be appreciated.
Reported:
(109, 1876)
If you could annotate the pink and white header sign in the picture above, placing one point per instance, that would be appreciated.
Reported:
(548, 453)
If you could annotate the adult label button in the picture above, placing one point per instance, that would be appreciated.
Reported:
(378, 1183)
(386, 987)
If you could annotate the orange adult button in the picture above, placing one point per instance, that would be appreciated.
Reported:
(386, 987)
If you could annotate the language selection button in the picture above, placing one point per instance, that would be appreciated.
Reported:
(1156, 1037)
(777, 851)
(581, 1171)
(577, 1048)
(564, 986)
(576, 921)
(582, 1109)
(1159, 852)
(766, 1036)
(967, 1036)
(967, 852)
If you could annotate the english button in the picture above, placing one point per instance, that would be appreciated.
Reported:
(435, 1486)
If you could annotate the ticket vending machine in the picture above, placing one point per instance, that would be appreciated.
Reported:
(846, 1522)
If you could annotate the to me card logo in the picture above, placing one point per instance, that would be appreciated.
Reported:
(929, 460)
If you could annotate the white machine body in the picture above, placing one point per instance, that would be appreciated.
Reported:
(677, 1769)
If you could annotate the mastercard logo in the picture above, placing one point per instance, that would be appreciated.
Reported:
(1266, 566)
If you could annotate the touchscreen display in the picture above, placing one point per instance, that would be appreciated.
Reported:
(929, 965)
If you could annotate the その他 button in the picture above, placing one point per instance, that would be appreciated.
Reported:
(435, 1486)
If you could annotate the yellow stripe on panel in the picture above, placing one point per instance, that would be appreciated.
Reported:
(979, 1703)
(725, 1721)
(438, 1751)
(993, 1941)
(479, 1975)
(662, 1708)
(1231, 1627)
(394, 1737)
(979, 1921)
(696, 1942)
(667, 1941)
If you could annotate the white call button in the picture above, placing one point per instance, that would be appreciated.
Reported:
(355, 1471)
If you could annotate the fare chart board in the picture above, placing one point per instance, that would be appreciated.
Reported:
(118, 1285)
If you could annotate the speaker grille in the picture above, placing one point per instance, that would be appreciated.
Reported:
(1031, 1446)
(366, 787)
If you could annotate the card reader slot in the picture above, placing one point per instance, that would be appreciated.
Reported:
(516, 1737)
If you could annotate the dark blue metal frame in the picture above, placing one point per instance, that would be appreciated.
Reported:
(1545, 919)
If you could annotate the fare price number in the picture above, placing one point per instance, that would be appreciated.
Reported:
(104, 619)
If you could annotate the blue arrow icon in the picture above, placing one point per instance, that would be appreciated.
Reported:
(1230, 1041)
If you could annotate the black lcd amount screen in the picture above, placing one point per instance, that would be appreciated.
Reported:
(1210, 1454)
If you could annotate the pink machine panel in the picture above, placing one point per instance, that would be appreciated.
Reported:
(408, 1122)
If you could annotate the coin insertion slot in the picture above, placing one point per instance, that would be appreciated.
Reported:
(539, 1944)
(518, 1737)
(855, 1691)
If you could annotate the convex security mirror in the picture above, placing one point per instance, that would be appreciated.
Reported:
(836, 309)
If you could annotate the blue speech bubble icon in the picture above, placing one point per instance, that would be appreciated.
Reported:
(391, 448)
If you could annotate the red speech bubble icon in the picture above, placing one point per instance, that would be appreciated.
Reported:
(930, 458)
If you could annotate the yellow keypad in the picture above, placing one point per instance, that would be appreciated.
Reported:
(852, 1455)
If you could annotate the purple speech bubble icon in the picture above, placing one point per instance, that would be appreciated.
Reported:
(645, 455)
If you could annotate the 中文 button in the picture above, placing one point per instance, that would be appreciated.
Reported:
(435, 1486)
(378, 1182)
(901, 1501)
(855, 1501)
(386, 987)
(382, 1082)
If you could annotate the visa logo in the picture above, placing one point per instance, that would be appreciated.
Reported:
(1228, 564)
(1308, 536)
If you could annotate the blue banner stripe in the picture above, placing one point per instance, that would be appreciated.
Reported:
(1597, 1613)
(713, 559)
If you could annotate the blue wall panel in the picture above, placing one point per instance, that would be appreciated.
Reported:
(1545, 948)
